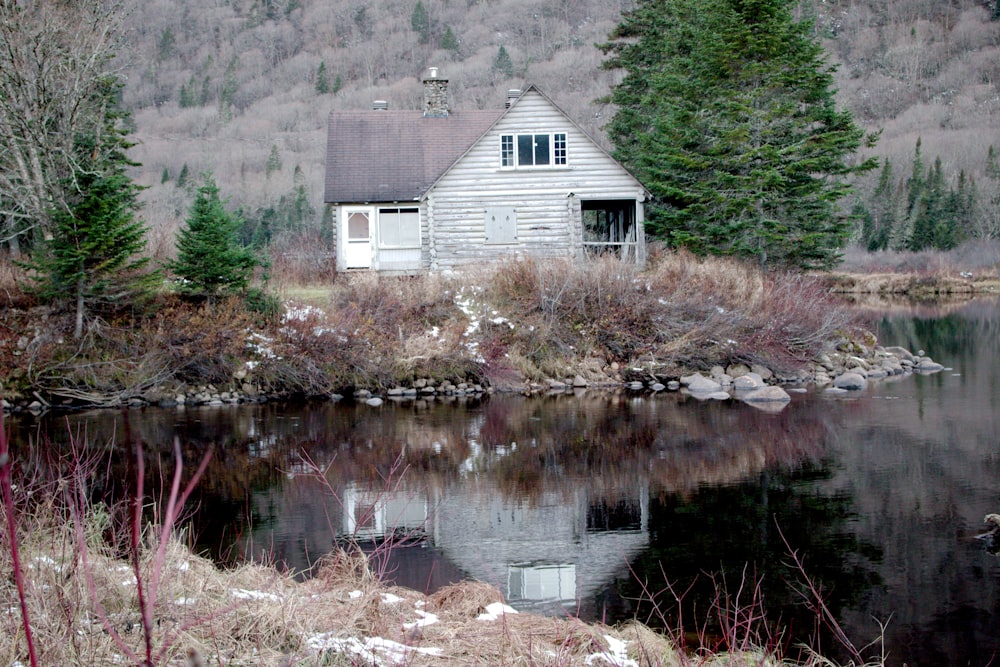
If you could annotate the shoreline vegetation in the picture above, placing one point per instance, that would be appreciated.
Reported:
(527, 326)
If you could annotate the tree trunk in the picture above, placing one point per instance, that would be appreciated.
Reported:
(78, 329)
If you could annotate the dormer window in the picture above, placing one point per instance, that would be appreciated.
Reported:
(532, 150)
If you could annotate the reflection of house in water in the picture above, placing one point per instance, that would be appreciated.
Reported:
(373, 515)
(552, 550)
(557, 548)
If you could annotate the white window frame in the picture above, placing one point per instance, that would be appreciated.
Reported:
(510, 150)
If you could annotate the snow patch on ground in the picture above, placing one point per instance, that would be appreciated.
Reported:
(494, 611)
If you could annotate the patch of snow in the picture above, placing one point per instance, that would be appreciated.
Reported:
(185, 601)
(243, 594)
(617, 654)
(354, 595)
(395, 652)
(494, 611)
(45, 560)
(389, 598)
(426, 618)
(184, 566)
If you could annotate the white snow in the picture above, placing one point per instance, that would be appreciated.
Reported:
(426, 618)
(617, 654)
(394, 652)
(389, 598)
(243, 594)
(494, 611)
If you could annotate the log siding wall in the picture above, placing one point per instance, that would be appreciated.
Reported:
(546, 198)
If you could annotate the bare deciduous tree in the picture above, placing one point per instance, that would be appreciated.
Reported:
(54, 60)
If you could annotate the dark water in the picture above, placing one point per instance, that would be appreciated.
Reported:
(613, 507)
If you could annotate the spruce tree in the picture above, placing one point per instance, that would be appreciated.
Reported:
(322, 84)
(502, 63)
(210, 260)
(94, 258)
(726, 114)
(449, 42)
(420, 21)
(884, 210)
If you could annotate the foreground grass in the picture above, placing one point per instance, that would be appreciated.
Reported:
(84, 609)
(505, 325)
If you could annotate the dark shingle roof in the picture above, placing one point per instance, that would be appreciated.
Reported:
(384, 156)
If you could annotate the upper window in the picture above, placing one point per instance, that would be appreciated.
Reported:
(532, 150)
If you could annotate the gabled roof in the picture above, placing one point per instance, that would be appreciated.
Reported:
(387, 156)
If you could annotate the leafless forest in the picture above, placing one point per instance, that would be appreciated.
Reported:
(243, 87)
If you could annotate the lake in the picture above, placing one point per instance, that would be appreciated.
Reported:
(614, 505)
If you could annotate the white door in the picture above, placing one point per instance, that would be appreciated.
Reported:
(358, 244)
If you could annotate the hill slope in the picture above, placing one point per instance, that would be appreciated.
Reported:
(235, 86)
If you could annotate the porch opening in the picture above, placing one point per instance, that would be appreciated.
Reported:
(609, 227)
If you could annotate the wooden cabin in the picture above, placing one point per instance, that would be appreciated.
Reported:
(436, 189)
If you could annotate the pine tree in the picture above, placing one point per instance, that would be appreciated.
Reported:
(502, 63)
(210, 261)
(992, 168)
(420, 21)
(322, 84)
(448, 41)
(884, 211)
(273, 161)
(338, 83)
(94, 257)
(726, 113)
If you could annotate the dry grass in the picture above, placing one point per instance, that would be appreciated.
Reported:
(255, 615)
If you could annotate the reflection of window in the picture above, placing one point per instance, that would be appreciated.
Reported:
(541, 582)
(622, 515)
(532, 150)
(399, 227)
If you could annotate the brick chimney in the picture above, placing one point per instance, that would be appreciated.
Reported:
(435, 95)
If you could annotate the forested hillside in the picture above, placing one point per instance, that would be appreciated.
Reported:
(242, 88)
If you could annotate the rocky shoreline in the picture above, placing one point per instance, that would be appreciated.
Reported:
(837, 372)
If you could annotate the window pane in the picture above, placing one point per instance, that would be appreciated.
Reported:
(357, 226)
(559, 149)
(507, 150)
(525, 150)
(388, 227)
(542, 149)
(409, 227)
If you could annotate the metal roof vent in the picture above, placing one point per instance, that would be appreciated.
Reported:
(380, 105)
(512, 96)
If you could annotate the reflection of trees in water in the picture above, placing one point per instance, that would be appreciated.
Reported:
(732, 532)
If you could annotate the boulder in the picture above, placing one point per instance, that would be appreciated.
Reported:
(928, 366)
(850, 381)
(763, 371)
(700, 384)
(656, 386)
(748, 382)
(580, 381)
(673, 385)
(772, 394)
(374, 401)
(737, 370)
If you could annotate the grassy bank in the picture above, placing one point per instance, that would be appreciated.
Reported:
(501, 326)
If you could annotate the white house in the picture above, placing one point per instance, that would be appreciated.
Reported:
(434, 190)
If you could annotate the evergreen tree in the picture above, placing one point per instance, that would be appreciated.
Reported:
(448, 41)
(164, 175)
(726, 114)
(322, 84)
(338, 83)
(273, 161)
(992, 168)
(884, 211)
(916, 183)
(210, 260)
(502, 63)
(420, 21)
(94, 256)
(183, 176)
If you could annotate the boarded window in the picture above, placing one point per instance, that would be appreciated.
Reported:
(399, 227)
(501, 225)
